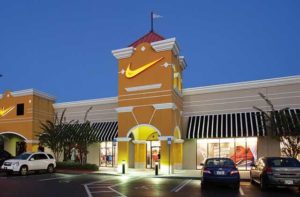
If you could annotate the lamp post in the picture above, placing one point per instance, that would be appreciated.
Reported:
(156, 168)
(123, 166)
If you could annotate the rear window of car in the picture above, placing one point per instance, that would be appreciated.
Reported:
(283, 162)
(219, 163)
(50, 156)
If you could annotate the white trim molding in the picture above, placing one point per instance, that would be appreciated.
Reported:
(90, 102)
(182, 62)
(124, 109)
(165, 138)
(12, 132)
(243, 85)
(144, 87)
(165, 106)
(123, 53)
(139, 141)
(28, 92)
(123, 139)
(166, 45)
(178, 141)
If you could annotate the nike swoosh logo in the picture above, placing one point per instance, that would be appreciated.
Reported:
(131, 73)
(3, 111)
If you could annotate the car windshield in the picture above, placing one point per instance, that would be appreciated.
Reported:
(23, 156)
(219, 163)
(283, 162)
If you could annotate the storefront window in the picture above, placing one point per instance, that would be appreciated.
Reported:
(107, 154)
(241, 150)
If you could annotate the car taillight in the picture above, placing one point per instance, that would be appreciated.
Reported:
(234, 172)
(268, 170)
(206, 171)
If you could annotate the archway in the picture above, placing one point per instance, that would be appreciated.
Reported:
(13, 142)
(145, 150)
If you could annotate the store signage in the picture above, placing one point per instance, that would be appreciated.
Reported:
(3, 111)
(169, 140)
(131, 73)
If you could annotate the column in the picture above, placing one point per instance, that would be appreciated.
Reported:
(178, 154)
(166, 156)
(140, 154)
(123, 152)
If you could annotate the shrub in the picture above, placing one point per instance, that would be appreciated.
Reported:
(76, 166)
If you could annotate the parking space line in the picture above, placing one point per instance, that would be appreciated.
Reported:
(57, 178)
(241, 191)
(181, 185)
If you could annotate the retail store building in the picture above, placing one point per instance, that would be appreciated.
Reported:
(154, 119)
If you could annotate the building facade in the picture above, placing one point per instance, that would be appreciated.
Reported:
(154, 120)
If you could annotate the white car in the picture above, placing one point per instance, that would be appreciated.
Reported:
(29, 162)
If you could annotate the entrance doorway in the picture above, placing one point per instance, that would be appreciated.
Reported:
(20, 147)
(153, 153)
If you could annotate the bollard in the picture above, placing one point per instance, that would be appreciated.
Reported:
(123, 167)
(156, 168)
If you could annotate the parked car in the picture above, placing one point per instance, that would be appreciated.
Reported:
(4, 155)
(29, 162)
(276, 171)
(220, 171)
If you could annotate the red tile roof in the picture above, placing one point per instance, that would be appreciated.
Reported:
(149, 37)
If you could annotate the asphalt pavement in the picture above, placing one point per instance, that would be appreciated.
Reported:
(93, 185)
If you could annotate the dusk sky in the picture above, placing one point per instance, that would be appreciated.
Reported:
(64, 48)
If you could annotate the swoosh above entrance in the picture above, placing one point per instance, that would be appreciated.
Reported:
(131, 73)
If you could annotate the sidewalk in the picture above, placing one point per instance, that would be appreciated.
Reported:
(193, 174)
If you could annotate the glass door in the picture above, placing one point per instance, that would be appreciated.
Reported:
(153, 153)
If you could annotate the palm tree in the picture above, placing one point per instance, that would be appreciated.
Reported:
(281, 125)
(51, 135)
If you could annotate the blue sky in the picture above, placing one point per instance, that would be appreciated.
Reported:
(64, 47)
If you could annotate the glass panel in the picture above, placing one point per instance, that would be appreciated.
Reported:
(240, 156)
(201, 152)
(213, 148)
(227, 147)
(251, 151)
(148, 160)
(102, 154)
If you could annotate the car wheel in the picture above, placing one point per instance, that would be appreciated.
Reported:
(50, 168)
(263, 184)
(23, 170)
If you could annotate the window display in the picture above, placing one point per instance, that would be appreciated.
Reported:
(107, 154)
(243, 151)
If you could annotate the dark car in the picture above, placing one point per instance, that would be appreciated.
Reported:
(4, 155)
(220, 171)
(276, 171)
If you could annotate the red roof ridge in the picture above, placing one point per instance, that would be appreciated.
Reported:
(149, 37)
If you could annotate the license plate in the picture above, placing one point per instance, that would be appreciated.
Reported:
(220, 172)
(288, 182)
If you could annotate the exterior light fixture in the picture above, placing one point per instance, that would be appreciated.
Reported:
(156, 168)
(123, 166)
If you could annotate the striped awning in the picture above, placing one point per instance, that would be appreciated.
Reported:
(102, 131)
(247, 124)
(105, 131)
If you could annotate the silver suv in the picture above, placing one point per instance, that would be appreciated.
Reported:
(29, 162)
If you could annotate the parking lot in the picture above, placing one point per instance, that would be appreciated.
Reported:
(60, 184)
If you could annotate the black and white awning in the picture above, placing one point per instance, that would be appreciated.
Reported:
(105, 131)
(247, 124)
(102, 131)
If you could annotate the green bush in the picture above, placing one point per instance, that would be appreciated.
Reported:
(76, 166)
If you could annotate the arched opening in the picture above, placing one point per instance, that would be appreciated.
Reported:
(13, 142)
(145, 138)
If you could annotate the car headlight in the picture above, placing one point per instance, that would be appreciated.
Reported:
(15, 164)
